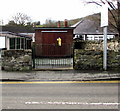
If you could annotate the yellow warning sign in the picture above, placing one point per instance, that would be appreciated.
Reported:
(59, 41)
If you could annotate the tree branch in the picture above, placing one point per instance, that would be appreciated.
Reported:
(95, 3)
(113, 16)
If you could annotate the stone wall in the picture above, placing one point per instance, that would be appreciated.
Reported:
(98, 45)
(17, 60)
(90, 57)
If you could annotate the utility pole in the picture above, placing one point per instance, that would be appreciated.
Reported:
(105, 48)
(104, 24)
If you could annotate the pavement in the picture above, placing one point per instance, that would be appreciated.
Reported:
(59, 75)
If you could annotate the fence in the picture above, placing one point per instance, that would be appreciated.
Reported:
(47, 56)
(92, 37)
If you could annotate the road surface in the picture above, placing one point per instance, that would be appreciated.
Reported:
(60, 95)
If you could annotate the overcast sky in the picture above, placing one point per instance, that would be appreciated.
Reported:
(40, 10)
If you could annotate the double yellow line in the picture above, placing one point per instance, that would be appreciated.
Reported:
(59, 82)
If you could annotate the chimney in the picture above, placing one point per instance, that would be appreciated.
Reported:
(58, 24)
(65, 23)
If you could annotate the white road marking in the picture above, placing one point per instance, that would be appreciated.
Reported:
(72, 103)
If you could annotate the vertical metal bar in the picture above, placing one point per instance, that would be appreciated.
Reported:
(33, 55)
(105, 49)
(73, 55)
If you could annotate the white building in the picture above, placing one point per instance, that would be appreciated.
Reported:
(9, 40)
(88, 29)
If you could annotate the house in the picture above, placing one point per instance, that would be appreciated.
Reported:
(9, 40)
(54, 41)
(89, 29)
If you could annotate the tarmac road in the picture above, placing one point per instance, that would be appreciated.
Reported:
(60, 95)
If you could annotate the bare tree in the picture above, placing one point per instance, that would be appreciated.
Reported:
(21, 19)
(50, 23)
(114, 10)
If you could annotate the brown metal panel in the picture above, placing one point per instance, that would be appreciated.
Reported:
(48, 44)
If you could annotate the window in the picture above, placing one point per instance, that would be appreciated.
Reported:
(18, 43)
(22, 43)
(12, 43)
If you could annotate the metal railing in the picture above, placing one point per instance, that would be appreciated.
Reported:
(92, 37)
(52, 56)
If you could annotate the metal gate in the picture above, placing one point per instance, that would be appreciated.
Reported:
(51, 56)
